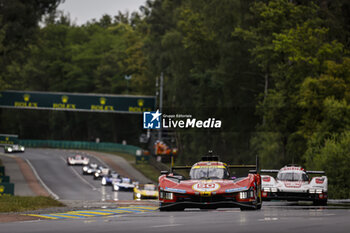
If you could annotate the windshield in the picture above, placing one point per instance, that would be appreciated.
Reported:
(208, 172)
(150, 187)
(292, 176)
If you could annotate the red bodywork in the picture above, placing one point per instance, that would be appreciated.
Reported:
(177, 194)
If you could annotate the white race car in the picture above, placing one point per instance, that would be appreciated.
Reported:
(293, 184)
(123, 184)
(14, 148)
(101, 172)
(78, 160)
(90, 169)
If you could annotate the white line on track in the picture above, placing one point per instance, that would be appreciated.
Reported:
(76, 173)
(41, 181)
(169, 225)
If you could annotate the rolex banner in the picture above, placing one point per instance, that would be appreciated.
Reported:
(76, 102)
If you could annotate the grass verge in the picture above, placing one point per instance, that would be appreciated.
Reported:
(146, 169)
(19, 203)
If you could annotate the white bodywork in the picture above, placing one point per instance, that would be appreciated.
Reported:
(14, 148)
(78, 160)
(123, 183)
(292, 179)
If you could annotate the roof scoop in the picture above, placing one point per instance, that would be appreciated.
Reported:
(210, 157)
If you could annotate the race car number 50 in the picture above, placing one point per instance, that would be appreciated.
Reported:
(205, 187)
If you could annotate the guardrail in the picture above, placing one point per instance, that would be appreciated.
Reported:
(103, 146)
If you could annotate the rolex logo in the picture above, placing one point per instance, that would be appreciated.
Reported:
(140, 102)
(65, 99)
(26, 97)
(103, 101)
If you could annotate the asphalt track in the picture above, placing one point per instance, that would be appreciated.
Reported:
(273, 217)
(67, 182)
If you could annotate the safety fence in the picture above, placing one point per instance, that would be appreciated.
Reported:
(102, 146)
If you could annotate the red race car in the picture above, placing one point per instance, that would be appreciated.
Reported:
(210, 186)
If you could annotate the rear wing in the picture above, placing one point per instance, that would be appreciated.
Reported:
(210, 157)
(276, 171)
(269, 171)
(180, 168)
(316, 172)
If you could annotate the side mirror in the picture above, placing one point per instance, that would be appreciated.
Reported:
(164, 172)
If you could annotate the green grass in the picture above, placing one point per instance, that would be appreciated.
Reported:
(19, 203)
(146, 169)
(149, 171)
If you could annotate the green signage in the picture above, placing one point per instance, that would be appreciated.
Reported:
(6, 139)
(142, 159)
(76, 102)
(7, 188)
(2, 171)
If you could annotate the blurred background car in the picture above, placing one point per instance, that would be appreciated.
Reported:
(14, 148)
(110, 178)
(78, 160)
(124, 184)
(145, 191)
(90, 169)
(100, 172)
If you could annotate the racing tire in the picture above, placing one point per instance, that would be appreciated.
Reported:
(257, 206)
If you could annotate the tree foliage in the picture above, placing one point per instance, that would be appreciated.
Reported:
(276, 72)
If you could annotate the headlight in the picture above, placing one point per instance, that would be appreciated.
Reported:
(267, 189)
(9, 149)
(89, 170)
(169, 196)
(138, 195)
(274, 190)
(166, 195)
(97, 174)
(312, 190)
(243, 195)
(85, 169)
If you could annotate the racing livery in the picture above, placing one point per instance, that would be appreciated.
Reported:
(110, 178)
(146, 191)
(14, 148)
(90, 169)
(293, 184)
(124, 183)
(100, 172)
(210, 186)
(78, 160)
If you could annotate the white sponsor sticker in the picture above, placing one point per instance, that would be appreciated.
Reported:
(205, 187)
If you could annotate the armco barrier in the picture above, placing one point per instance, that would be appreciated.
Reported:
(102, 146)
